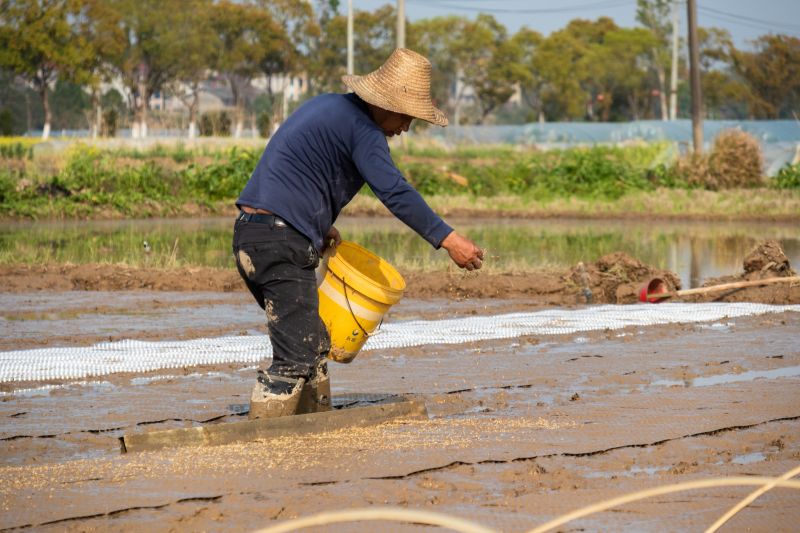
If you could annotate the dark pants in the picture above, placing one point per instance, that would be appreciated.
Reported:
(277, 263)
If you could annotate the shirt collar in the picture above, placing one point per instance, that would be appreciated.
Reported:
(361, 104)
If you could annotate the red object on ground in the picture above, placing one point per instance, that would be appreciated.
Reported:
(655, 286)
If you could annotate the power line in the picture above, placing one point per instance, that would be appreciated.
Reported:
(744, 18)
(755, 25)
(722, 16)
(569, 9)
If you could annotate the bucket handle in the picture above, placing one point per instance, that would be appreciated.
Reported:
(344, 289)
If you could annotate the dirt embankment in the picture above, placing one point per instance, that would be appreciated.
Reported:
(614, 278)
(107, 277)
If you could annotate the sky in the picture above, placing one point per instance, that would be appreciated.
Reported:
(744, 19)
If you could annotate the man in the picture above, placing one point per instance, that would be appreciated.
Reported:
(312, 167)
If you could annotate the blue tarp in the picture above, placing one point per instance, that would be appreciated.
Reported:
(779, 138)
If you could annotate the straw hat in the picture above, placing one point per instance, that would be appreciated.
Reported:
(402, 85)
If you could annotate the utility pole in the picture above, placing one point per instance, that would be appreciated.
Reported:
(401, 23)
(349, 36)
(673, 82)
(694, 72)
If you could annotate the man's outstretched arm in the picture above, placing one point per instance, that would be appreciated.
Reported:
(463, 251)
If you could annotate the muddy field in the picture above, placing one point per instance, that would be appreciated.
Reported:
(613, 278)
(519, 431)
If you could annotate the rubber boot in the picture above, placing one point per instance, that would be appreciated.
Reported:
(316, 394)
(275, 396)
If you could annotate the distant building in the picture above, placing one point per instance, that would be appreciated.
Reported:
(216, 95)
(295, 86)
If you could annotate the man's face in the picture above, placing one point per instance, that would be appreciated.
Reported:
(395, 123)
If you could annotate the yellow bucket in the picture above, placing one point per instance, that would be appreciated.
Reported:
(358, 289)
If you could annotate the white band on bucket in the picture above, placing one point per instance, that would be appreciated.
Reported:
(339, 299)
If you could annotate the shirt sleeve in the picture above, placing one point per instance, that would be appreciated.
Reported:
(372, 159)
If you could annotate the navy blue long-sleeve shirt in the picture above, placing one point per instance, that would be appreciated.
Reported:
(320, 158)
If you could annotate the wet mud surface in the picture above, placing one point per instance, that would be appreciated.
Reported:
(613, 278)
(519, 430)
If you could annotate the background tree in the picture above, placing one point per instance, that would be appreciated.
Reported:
(562, 96)
(71, 106)
(15, 104)
(724, 93)
(588, 69)
(589, 37)
(327, 55)
(288, 53)
(241, 30)
(113, 105)
(655, 16)
(375, 38)
(493, 67)
(591, 31)
(474, 49)
(37, 43)
(150, 53)
(615, 71)
(438, 39)
(528, 42)
(373, 42)
(99, 25)
(772, 75)
(198, 45)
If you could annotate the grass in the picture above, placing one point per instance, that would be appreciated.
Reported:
(764, 203)
(78, 245)
(158, 180)
(24, 141)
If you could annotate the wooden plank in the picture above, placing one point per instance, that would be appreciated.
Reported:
(726, 286)
(249, 430)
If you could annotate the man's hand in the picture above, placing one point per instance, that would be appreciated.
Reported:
(463, 251)
(332, 235)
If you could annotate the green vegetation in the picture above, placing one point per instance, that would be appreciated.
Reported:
(664, 203)
(90, 182)
(168, 245)
(788, 177)
(599, 172)
(27, 142)
(16, 151)
(56, 55)
(222, 179)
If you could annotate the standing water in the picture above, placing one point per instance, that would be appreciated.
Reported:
(696, 251)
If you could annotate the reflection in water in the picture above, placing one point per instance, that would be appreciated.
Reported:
(695, 251)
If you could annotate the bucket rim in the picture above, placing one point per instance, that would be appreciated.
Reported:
(396, 292)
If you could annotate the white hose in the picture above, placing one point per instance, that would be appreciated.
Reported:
(380, 514)
(458, 524)
(750, 499)
(664, 489)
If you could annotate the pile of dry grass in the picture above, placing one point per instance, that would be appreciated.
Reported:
(694, 169)
(735, 161)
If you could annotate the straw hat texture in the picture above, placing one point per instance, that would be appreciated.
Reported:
(402, 84)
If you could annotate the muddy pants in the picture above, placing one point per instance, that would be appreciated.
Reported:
(277, 263)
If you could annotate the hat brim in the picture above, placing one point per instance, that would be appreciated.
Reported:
(414, 105)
